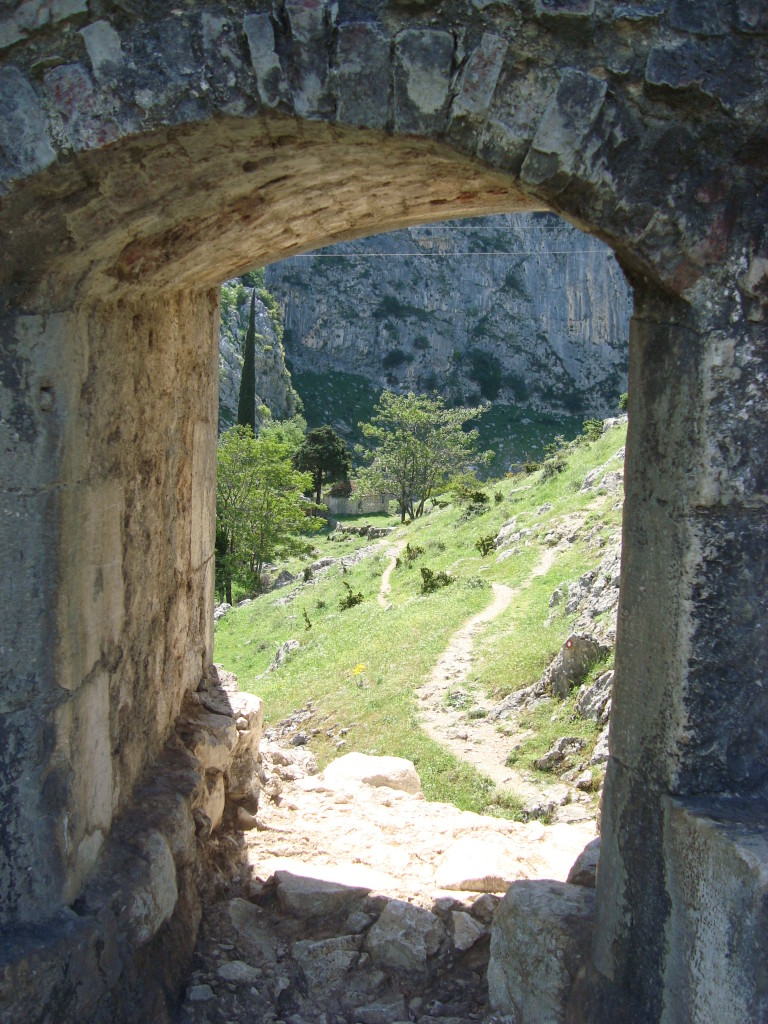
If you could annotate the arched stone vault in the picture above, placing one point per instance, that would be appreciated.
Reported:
(147, 153)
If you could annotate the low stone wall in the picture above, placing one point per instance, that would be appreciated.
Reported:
(366, 505)
(122, 950)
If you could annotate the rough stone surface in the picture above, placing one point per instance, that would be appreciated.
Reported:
(552, 923)
(404, 937)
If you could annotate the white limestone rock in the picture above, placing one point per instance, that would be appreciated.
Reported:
(365, 769)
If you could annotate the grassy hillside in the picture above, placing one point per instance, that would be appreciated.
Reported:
(361, 666)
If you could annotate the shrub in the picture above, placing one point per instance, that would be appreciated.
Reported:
(410, 555)
(531, 466)
(498, 497)
(350, 599)
(486, 372)
(432, 581)
(592, 429)
(485, 544)
(624, 401)
(421, 343)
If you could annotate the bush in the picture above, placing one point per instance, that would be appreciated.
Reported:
(485, 544)
(531, 466)
(498, 497)
(410, 555)
(624, 401)
(592, 429)
(432, 581)
(350, 599)
(341, 489)
(421, 343)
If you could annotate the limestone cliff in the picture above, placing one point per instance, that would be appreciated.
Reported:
(273, 382)
(521, 309)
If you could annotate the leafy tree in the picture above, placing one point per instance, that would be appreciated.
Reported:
(323, 454)
(260, 506)
(288, 432)
(416, 445)
(246, 403)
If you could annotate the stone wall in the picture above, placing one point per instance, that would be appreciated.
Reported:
(147, 154)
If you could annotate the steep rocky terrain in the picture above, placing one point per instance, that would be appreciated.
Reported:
(516, 309)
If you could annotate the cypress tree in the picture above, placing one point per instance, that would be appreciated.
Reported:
(246, 403)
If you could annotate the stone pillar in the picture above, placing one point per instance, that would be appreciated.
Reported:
(108, 430)
(690, 715)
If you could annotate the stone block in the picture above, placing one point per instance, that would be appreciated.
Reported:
(716, 870)
(24, 140)
(363, 64)
(700, 17)
(423, 61)
(152, 896)
(104, 49)
(480, 76)
(310, 23)
(404, 937)
(563, 130)
(269, 73)
(319, 892)
(540, 939)
(213, 740)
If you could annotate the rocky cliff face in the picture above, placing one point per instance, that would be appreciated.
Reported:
(273, 382)
(519, 309)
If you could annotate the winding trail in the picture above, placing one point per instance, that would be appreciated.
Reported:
(384, 589)
(476, 740)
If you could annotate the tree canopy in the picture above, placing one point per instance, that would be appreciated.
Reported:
(415, 446)
(260, 506)
(325, 455)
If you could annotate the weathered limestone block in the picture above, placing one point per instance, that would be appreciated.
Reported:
(584, 868)
(311, 22)
(480, 75)
(307, 896)
(150, 904)
(363, 63)
(24, 140)
(716, 863)
(560, 138)
(404, 937)
(540, 939)
(423, 59)
(213, 741)
(269, 73)
(104, 50)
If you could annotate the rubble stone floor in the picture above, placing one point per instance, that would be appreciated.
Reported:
(349, 899)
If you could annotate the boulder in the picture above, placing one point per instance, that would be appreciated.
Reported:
(221, 610)
(466, 930)
(404, 937)
(541, 936)
(282, 653)
(577, 654)
(320, 892)
(584, 869)
(594, 701)
(388, 1011)
(393, 772)
(602, 749)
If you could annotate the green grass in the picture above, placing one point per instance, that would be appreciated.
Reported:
(399, 647)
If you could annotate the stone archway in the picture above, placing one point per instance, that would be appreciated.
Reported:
(145, 158)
